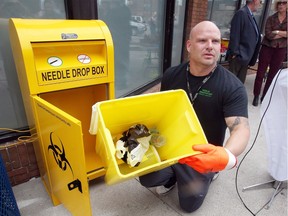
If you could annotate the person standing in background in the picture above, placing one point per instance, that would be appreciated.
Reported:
(244, 40)
(273, 50)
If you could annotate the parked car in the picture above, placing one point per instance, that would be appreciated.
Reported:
(137, 27)
(138, 19)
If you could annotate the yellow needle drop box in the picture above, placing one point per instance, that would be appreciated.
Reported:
(65, 68)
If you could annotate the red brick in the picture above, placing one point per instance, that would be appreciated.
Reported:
(34, 173)
(21, 178)
(32, 167)
(14, 157)
(23, 154)
(31, 153)
(20, 171)
(20, 163)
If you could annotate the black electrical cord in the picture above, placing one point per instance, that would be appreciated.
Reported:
(256, 136)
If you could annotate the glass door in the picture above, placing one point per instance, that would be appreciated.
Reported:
(137, 29)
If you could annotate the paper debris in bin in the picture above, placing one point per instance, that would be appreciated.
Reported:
(135, 142)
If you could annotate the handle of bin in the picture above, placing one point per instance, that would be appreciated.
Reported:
(94, 120)
(190, 122)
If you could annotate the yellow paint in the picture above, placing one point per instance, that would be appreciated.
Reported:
(170, 112)
(64, 67)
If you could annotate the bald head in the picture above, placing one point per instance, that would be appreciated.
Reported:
(204, 26)
(203, 47)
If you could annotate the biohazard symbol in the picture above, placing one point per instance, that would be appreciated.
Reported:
(59, 153)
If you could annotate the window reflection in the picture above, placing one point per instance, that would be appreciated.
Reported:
(179, 17)
(138, 40)
(13, 8)
(32, 9)
(222, 11)
(117, 16)
(12, 114)
(216, 11)
(52, 9)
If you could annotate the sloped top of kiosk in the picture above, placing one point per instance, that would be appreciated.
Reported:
(53, 55)
(33, 30)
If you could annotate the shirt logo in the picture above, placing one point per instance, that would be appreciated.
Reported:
(205, 93)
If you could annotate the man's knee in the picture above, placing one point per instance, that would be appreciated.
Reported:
(191, 206)
(157, 178)
(145, 181)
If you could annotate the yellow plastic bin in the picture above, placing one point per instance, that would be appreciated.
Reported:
(170, 112)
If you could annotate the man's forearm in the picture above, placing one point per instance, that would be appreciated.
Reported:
(239, 136)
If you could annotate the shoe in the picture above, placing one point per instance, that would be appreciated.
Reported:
(162, 190)
(255, 101)
(215, 176)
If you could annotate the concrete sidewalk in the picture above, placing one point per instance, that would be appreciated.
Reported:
(130, 198)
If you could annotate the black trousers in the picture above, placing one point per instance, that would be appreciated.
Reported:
(238, 69)
(192, 185)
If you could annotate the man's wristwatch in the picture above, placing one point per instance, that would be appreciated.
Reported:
(277, 32)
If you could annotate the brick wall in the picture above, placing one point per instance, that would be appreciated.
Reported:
(20, 161)
(196, 12)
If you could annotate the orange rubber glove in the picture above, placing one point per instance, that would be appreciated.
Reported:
(212, 159)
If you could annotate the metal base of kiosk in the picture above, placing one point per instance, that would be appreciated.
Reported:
(278, 185)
